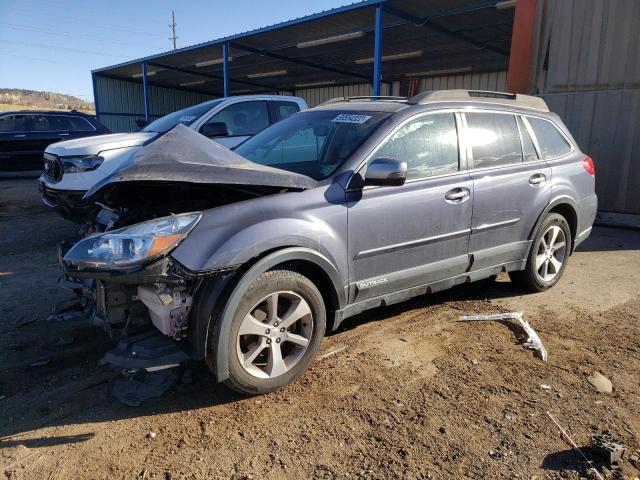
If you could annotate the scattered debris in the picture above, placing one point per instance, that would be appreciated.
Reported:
(475, 362)
(496, 454)
(40, 363)
(151, 435)
(72, 309)
(533, 342)
(606, 447)
(566, 436)
(133, 390)
(634, 459)
(601, 383)
(332, 352)
(545, 387)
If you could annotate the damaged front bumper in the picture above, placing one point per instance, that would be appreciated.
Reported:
(147, 307)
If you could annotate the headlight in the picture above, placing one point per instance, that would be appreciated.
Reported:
(84, 163)
(132, 245)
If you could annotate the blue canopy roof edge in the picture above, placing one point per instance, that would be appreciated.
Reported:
(222, 40)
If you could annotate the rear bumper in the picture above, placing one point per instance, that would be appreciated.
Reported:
(588, 211)
(68, 203)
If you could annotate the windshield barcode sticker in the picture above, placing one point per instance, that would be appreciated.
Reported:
(351, 118)
(186, 118)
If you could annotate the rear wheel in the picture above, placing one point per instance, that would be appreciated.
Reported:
(548, 255)
(275, 333)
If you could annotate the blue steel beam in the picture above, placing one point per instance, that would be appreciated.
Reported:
(145, 92)
(95, 94)
(225, 68)
(377, 52)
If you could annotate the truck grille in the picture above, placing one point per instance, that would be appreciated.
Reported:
(53, 170)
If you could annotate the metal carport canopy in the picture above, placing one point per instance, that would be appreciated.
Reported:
(365, 42)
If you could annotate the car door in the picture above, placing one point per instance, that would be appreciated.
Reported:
(511, 187)
(243, 120)
(45, 130)
(418, 233)
(15, 146)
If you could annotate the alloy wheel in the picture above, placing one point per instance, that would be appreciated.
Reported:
(551, 253)
(274, 334)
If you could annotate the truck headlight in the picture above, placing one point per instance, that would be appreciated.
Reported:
(132, 245)
(84, 163)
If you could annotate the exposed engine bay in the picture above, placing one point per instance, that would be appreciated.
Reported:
(176, 177)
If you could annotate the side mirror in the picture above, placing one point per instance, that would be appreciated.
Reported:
(141, 122)
(386, 171)
(214, 129)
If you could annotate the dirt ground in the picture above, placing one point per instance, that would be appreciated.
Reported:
(401, 392)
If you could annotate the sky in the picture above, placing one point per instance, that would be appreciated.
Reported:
(52, 45)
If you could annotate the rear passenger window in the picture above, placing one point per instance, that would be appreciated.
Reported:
(552, 142)
(494, 139)
(428, 144)
(49, 123)
(528, 148)
(284, 109)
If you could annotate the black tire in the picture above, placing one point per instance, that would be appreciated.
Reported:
(530, 278)
(266, 284)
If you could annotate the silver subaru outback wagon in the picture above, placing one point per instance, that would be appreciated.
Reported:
(246, 258)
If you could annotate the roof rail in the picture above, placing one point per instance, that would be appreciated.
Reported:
(365, 97)
(483, 96)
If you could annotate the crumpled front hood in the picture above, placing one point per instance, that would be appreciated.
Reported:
(99, 143)
(183, 155)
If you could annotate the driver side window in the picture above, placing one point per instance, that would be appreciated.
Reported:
(429, 145)
(245, 118)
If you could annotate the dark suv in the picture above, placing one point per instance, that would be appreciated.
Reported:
(247, 258)
(24, 135)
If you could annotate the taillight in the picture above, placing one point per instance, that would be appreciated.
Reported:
(588, 166)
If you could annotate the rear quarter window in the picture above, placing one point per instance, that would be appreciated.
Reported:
(552, 143)
(284, 109)
(79, 124)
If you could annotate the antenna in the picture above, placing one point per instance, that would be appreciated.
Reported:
(173, 27)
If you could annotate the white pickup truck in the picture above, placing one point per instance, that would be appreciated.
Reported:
(73, 167)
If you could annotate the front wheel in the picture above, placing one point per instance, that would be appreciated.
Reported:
(275, 333)
(548, 255)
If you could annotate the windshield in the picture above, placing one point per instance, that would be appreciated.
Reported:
(186, 116)
(313, 143)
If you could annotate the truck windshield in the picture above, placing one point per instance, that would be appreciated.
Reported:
(313, 143)
(185, 116)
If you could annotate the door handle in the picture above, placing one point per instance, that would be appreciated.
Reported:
(537, 180)
(63, 134)
(20, 135)
(457, 195)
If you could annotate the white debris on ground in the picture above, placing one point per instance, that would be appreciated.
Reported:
(533, 342)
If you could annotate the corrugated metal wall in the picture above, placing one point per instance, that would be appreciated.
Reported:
(120, 102)
(316, 95)
(494, 81)
(588, 70)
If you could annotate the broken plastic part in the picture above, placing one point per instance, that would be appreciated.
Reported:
(533, 341)
(168, 309)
